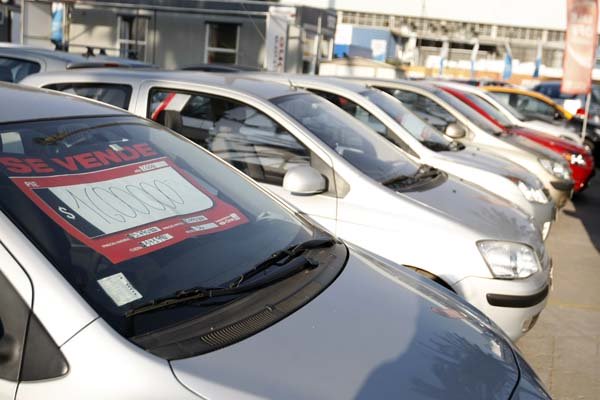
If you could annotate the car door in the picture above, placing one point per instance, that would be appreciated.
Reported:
(249, 140)
(16, 295)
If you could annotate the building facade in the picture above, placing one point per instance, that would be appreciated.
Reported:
(178, 33)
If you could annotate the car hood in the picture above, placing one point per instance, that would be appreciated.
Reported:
(376, 332)
(551, 129)
(549, 140)
(474, 157)
(488, 215)
(530, 146)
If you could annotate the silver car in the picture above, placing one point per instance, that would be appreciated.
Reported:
(135, 265)
(18, 62)
(426, 145)
(353, 182)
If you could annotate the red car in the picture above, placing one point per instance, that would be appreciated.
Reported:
(581, 162)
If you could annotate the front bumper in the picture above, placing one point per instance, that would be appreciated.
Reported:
(560, 192)
(543, 216)
(514, 305)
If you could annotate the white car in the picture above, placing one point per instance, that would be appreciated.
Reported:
(461, 122)
(352, 181)
(426, 145)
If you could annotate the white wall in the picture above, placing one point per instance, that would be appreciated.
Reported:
(545, 14)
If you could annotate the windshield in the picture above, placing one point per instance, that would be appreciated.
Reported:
(129, 212)
(488, 108)
(358, 144)
(414, 125)
(472, 115)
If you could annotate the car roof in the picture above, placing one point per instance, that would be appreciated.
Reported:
(316, 80)
(74, 59)
(425, 85)
(238, 82)
(28, 103)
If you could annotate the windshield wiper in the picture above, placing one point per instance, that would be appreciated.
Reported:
(279, 258)
(426, 172)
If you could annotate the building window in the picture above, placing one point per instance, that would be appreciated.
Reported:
(222, 42)
(133, 32)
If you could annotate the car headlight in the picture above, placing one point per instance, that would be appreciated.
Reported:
(575, 159)
(509, 260)
(531, 194)
(555, 168)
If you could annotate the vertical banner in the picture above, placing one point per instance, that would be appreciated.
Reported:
(580, 46)
(278, 20)
(507, 63)
(474, 52)
(444, 51)
(538, 61)
(57, 24)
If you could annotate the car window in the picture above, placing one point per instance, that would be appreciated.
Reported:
(488, 108)
(414, 125)
(14, 70)
(114, 94)
(14, 315)
(243, 136)
(359, 145)
(356, 111)
(424, 107)
(130, 213)
(531, 105)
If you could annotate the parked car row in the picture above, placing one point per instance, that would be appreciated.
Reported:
(258, 235)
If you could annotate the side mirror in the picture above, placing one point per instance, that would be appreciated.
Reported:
(455, 131)
(304, 181)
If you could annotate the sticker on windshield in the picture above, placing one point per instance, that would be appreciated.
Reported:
(119, 289)
(123, 211)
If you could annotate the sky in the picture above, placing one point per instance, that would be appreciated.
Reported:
(545, 14)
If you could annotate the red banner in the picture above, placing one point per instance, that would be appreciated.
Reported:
(580, 46)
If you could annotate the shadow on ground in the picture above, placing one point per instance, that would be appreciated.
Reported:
(587, 210)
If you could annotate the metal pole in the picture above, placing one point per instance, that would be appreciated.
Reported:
(588, 100)
(315, 70)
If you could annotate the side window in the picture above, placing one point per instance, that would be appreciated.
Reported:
(528, 104)
(356, 111)
(13, 69)
(364, 116)
(425, 108)
(116, 95)
(243, 136)
(14, 315)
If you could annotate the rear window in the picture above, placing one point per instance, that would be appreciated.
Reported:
(14, 70)
(116, 95)
(129, 212)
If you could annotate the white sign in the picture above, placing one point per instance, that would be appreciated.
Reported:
(129, 201)
(278, 20)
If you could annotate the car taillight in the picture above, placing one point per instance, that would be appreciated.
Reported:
(580, 112)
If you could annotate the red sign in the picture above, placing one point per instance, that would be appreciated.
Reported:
(580, 46)
(122, 211)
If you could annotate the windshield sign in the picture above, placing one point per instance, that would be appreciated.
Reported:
(121, 211)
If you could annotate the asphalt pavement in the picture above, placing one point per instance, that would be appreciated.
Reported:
(564, 346)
